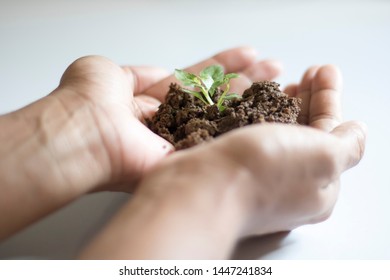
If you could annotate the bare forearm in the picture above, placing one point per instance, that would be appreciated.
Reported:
(43, 160)
(172, 217)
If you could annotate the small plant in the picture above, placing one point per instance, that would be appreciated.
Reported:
(209, 80)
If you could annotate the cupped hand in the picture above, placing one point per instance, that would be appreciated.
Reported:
(259, 179)
(120, 98)
(295, 170)
(284, 176)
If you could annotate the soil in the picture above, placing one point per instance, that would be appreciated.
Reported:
(186, 121)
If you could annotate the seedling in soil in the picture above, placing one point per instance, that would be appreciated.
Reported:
(208, 82)
(186, 122)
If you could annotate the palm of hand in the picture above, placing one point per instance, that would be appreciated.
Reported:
(111, 94)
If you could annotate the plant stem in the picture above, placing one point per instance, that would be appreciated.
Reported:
(222, 97)
(206, 95)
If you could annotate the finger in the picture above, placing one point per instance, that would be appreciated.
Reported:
(263, 70)
(260, 71)
(151, 146)
(325, 202)
(353, 135)
(143, 77)
(325, 103)
(304, 92)
(291, 90)
(146, 106)
(233, 60)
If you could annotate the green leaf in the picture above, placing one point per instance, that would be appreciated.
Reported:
(186, 78)
(230, 76)
(210, 76)
(214, 87)
(232, 96)
(226, 79)
(207, 81)
(195, 93)
(213, 71)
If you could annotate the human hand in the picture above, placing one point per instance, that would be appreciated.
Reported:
(293, 171)
(255, 180)
(296, 169)
(119, 99)
(303, 166)
(117, 107)
(198, 203)
(88, 135)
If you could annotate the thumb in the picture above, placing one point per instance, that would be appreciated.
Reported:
(146, 106)
(353, 136)
(151, 147)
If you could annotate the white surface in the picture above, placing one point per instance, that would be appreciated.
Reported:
(38, 39)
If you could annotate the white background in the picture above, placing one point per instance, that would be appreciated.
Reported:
(39, 39)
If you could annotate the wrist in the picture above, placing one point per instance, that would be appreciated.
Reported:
(193, 205)
(56, 145)
(56, 154)
(209, 192)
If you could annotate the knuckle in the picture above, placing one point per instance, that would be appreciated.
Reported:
(324, 201)
(322, 217)
(328, 161)
(84, 63)
(359, 147)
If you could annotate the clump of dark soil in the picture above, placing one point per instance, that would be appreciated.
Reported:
(186, 121)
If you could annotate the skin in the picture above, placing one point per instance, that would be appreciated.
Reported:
(88, 135)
